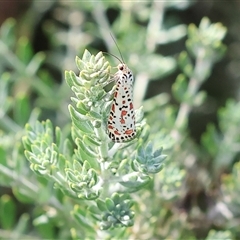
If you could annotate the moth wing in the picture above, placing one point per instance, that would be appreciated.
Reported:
(121, 122)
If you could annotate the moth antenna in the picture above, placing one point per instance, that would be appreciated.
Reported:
(117, 47)
(114, 56)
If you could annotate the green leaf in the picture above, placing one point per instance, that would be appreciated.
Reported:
(116, 198)
(86, 149)
(179, 88)
(91, 141)
(213, 234)
(185, 64)
(101, 205)
(79, 214)
(84, 126)
(156, 66)
(86, 56)
(7, 212)
(44, 226)
(134, 183)
(93, 209)
(7, 32)
(199, 98)
(22, 224)
(3, 160)
(24, 50)
(22, 109)
(110, 204)
(82, 109)
(205, 42)
(35, 63)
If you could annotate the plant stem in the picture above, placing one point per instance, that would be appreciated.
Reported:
(193, 87)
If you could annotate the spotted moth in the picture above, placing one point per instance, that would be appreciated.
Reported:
(121, 121)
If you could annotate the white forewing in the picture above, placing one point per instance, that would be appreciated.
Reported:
(121, 122)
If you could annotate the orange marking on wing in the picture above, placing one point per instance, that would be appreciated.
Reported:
(110, 126)
(128, 131)
(113, 108)
(116, 132)
(123, 113)
(115, 94)
(122, 121)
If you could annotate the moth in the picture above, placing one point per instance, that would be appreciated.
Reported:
(121, 121)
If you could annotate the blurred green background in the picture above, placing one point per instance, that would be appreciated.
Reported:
(40, 40)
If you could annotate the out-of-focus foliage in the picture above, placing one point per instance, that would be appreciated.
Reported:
(62, 178)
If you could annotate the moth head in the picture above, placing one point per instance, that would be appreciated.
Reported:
(122, 67)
